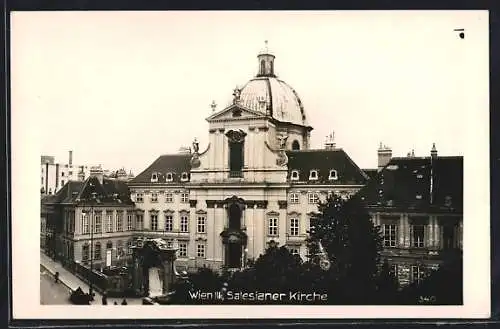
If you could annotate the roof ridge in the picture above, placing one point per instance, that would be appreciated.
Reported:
(337, 149)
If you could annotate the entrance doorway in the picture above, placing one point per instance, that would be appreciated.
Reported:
(233, 258)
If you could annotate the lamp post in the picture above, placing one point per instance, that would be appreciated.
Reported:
(92, 223)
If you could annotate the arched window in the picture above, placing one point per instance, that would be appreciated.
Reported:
(169, 177)
(295, 175)
(313, 175)
(295, 145)
(109, 245)
(85, 253)
(333, 175)
(262, 67)
(184, 176)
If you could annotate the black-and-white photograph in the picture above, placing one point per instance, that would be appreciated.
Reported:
(252, 158)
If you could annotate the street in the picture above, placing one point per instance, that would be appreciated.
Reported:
(52, 293)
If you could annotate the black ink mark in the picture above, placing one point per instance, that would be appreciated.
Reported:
(461, 34)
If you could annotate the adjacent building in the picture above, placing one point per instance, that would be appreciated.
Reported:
(90, 220)
(54, 175)
(418, 204)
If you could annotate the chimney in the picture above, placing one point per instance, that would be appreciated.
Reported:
(434, 152)
(81, 174)
(384, 156)
(96, 171)
(329, 142)
(70, 158)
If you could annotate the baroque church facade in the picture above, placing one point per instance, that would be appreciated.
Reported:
(256, 182)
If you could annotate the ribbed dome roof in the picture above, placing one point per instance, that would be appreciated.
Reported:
(273, 97)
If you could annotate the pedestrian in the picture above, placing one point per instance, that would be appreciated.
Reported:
(115, 303)
(124, 302)
(104, 299)
(56, 277)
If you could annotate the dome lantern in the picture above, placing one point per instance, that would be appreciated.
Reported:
(266, 63)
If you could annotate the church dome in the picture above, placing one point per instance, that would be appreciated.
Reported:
(271, 96)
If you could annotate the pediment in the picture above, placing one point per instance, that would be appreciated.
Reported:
(235, 112)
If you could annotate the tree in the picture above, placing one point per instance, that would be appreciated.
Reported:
(276, 270)
(387, 286)
(352, 244)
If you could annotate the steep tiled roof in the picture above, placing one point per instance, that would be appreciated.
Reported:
(417, 183)
(111, 191)
(175, 164)
(323, 161)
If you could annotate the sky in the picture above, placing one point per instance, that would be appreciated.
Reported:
(121, 88)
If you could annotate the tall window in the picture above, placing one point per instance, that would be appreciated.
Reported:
(201, 224)
(183, 249)
(418, 236)
(394, 270)
(200, 250)
(169, 223)
(169, 198)
(295, 145)
(294, 226)
(85, 224)
(119, 248)
(235, 158)
(130, 223)
(154, 222)
(273, 227)
(154, 197)
(313, 198)
(184, 224)
(294, 251)
(448, 237)
(109, 222)
(389, 232)
(97, 251)
(417, 273)
(85, 252)
(184, 197)
(119, 221)
(139, 198)
(139, 222)
(98, 223)
(262, 67)
(294, 198)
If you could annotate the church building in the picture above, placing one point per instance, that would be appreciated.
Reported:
(256, 182)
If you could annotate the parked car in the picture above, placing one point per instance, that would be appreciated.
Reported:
(78, 297)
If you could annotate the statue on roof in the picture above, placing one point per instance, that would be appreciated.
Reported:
(196, 146)
(236, 95)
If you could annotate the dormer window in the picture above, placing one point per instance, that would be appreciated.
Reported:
(418, 197)
(169, 177)
(295, 175)
(154, 177)
(333, 175)
(184, 176)
(313, 175)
